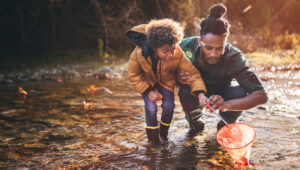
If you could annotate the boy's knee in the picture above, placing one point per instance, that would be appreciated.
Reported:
(168, 107)
(151, 111)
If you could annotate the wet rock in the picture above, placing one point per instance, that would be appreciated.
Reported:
(34, 92)
(106, 73)
(35, 76)
(53, 78)
(30, 92)
(108, 70)
(61, 73)
(54, 71)
(249, 112)
(261, 108)
(76, 74)
(99, 90)
(8, 81)
(103, 90)
(8, 112)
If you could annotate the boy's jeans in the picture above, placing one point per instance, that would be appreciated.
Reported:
(190, 103)
(167, 108)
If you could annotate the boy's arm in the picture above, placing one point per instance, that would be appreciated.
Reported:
(195, 81)
(134, 73)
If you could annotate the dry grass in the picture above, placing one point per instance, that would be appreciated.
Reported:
(268, 58)
(265, 49)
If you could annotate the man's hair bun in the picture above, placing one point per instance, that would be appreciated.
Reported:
(217, 11)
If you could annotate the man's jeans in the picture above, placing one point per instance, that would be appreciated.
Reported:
(167, 108)
(190, 103)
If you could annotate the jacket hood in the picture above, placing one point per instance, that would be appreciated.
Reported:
(137, 35)
(139, 28)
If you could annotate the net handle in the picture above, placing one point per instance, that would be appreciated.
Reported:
(216, 113)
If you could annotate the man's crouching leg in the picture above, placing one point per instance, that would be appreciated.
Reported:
(195, 121)
(192, 109)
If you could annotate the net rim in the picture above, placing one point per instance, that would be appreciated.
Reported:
(238, 147)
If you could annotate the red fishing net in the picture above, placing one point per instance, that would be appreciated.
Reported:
(237, 139)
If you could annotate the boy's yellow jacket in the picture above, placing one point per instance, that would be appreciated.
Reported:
(142, 76)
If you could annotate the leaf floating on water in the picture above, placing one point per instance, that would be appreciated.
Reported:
(92, 89)
(143, 167)
(88, 105)
(22, 91)
(213, 162)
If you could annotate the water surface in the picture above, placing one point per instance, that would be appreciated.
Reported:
(51, 128)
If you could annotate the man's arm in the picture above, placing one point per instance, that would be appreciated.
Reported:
(255, 98)
(247, 79)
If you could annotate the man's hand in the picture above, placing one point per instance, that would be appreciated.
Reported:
(217, 102)
(155, 96)
(183, 77)
(202, 99)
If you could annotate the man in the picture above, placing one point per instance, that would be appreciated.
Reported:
(219, 64)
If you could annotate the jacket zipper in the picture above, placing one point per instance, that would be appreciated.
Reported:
(160, 75)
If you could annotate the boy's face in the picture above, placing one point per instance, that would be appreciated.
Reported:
(165, 52)
(214, 47)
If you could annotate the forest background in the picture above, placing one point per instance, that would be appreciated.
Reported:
(45, 32)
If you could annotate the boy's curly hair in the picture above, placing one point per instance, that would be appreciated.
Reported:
(163, 31)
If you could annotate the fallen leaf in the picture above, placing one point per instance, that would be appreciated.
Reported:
(22, 91)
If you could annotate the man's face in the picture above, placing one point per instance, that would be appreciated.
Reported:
(214, 47)
(165, 52)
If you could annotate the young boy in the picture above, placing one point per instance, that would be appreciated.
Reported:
(152, 71)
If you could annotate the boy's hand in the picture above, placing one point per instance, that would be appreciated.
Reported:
(155, 96)
(202, 99)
